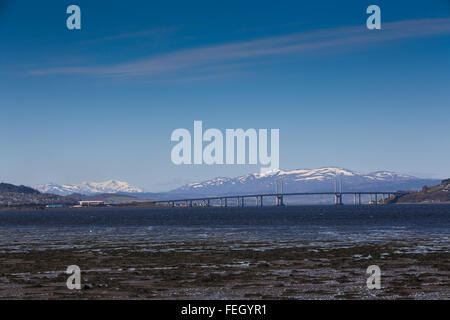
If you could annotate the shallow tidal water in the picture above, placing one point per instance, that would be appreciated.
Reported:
(268, 224)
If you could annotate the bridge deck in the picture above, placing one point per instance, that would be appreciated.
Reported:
(389, 193)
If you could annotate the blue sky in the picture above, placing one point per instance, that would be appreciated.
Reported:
(101, 102)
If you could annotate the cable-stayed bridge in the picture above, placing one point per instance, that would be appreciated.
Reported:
(374, 197)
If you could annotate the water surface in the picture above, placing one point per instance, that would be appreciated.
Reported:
(273, 225)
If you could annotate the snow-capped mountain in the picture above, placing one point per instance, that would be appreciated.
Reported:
(305, 180)
(299, 180)
(110, 186)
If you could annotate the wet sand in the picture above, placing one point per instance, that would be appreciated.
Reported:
(410, 269)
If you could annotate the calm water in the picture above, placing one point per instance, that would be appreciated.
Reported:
(54, 228)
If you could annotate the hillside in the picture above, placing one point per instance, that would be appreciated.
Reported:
(435, 194)
(114, 198)
(11, 196)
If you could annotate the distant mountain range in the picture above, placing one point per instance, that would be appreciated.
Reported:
(89, 188)
(299, 180)
(306, 180)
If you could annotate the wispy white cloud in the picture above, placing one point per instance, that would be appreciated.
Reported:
(150, 33)
(318, 40)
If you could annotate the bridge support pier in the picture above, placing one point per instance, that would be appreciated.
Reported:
(279, 201)
(261, 201)
(338, 199)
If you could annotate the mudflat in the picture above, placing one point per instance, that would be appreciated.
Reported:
(410, 269)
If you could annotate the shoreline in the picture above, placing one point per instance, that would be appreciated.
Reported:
(154, 206)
